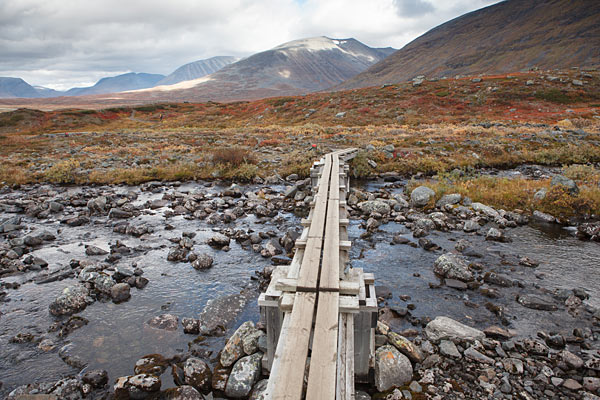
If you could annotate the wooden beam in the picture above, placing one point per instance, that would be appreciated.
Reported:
(292, 359)
(322, 373)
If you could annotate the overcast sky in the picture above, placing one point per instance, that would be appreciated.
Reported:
(65, 43)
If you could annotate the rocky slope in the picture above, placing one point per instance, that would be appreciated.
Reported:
(506, 37)
(197, 69)
(296, 67)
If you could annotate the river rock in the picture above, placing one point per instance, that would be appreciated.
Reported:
(486, 210)
(168, 322)
(250, 342)
(453, 267)
(496, 235)
(571, 359)
(448, 199)
(245, 373)
(234, 348)
(219, 313)
(185, 392)
(392, 368)
(543, 217)
(152, 364)
(405, 347)
(72, 300)
(218, 240)
(197, 374)
(136, 386)
(421, 196)
(97, 378)
(471, 226)
(472, 354)
(97, 205)
(446, 328)
(537, 303)
(448, 349)
(118, 213)
(371, 206)
(120, 292)
(94, 251)
(204, 261)
(190, 325)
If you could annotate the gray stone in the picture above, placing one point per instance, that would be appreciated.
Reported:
(260, 390)
(571, 359)
(234, 348)
(543, 217)
(496, 235)
(167, 322)
(245, 373)
(446, 328)
(421, 196)
(537, 303)
(184, 392)
(136, 386)
(197, 374)
(471, 226)
(448, 349)
(540, 194)
(72, 299)
(453, 267)
(392, 368)
(368, 207)
(250, 341)
(486, 210)
(472, 354)
(219, 240)
(513, 366)
(94, 251)
(405, 346)
(449, 199)
(120, 292)
(204, 261)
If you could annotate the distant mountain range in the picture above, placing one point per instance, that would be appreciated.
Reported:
(197, 69)
(506, 37)
(293, 68)
(17, 87)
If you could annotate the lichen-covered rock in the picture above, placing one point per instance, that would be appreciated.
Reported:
(452, 266)
(183, 393)
(244, 375)
(197, 373)
(421, 196)
(392, 368)
(446, 328)
(152, 364)
(368, 207)
(72, 300)
(137, 386)
(168, 322)
(234, 349)
(405, 346)
(218, 240)
(120, 292)
(204, 261)
(260, 390)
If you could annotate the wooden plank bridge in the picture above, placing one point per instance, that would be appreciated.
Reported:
(320, 314)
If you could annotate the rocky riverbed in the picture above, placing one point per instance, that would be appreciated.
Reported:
(137, 291)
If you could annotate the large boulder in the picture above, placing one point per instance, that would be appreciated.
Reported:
(234, 349)
(197, 374)
(371, 206)
(486, 210)
(569, 184)
(446, 328)
(452, 266)
(218, 240)
(421, 196)
(449, 199)
(72, 300)
(392, 368)
(245, 373)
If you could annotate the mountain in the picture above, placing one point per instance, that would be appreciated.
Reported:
(197, 69)
(506, 37)
(16, 87)
(119, 83)
(293, 68)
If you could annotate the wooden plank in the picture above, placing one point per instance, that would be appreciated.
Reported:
(286, 302)
(322, 373)
(274, 319)
(290, 373)
(363, 291)
(280, 349)
(330, 272)
(350, 357)
(340, 391)
(294, 267)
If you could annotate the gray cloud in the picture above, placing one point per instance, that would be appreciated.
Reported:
(65, 43)
(413, 8)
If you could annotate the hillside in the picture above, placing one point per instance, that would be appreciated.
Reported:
(297, 67)
(119, 83)
(509, 36)
(16, 87)
(197, 69)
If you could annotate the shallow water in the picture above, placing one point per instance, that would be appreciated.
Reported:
(116, 336)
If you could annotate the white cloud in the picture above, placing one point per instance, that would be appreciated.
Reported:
(66, 43)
